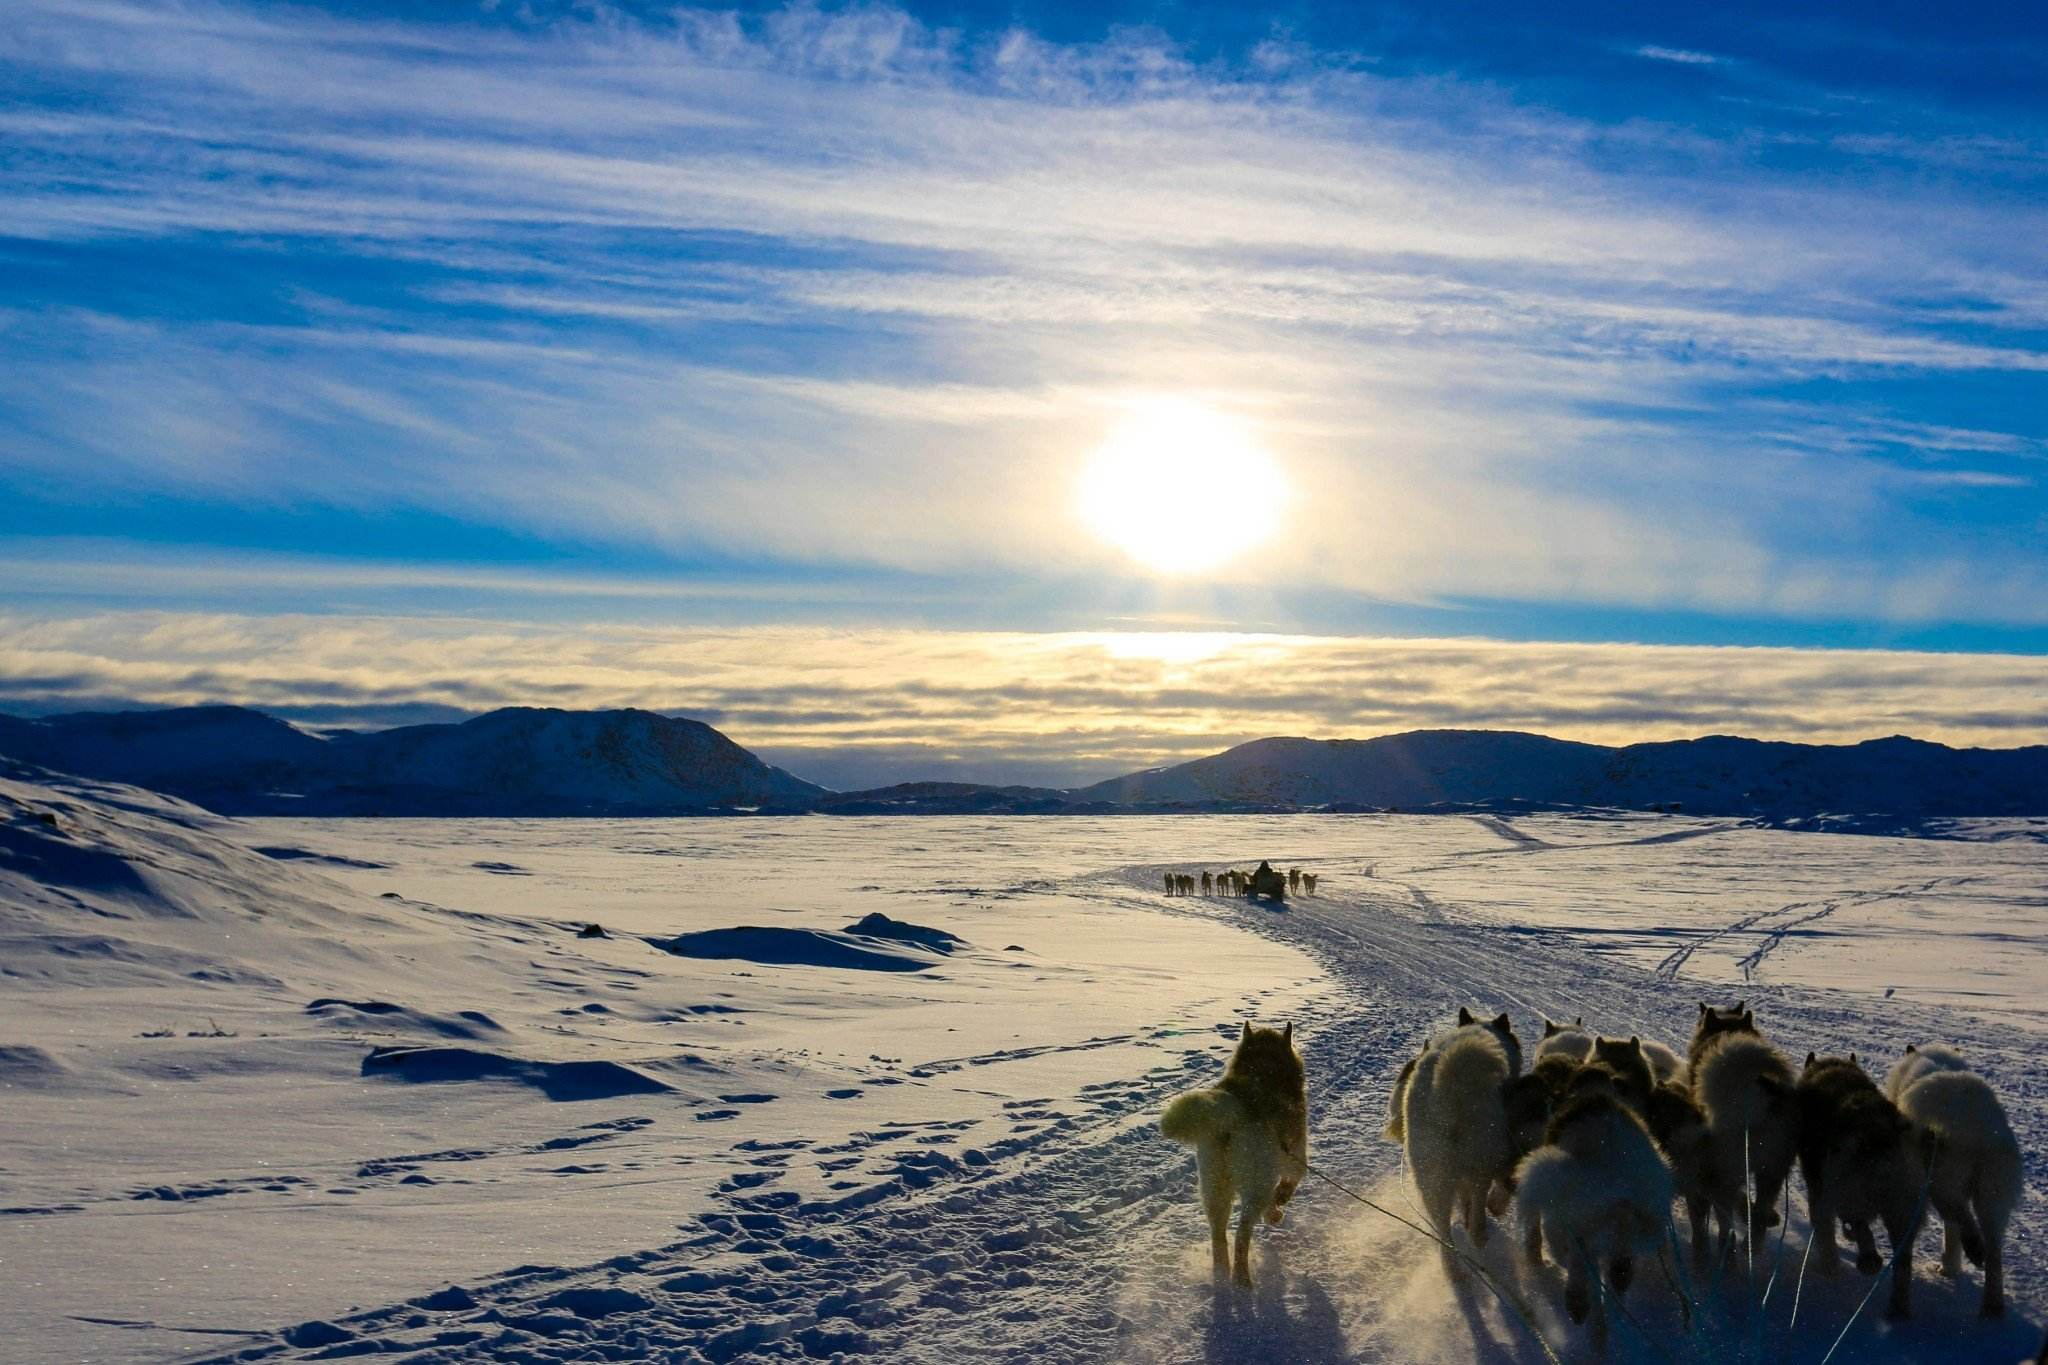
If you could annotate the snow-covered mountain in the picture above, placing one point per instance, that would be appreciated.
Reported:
(518, 761)
(1719, 774)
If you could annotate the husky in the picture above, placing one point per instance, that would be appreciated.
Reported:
(1250, 1135)
(1564, 1040)
(1861, 1160)
(1625, 1062)
(1665, 1064)
(1744, 1087)
(1500, 1026)
(1455, 1126)
(1919, 1062)
(1680, 1129)
(1598, 1193)
(1975, 1163)
(1308, 882)
(1208, 884)
(1555, 1071)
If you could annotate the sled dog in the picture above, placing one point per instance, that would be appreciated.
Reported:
(1500, 1026)
(1975, 1163)
(1455, 1126)
(1564, 1040)
(1665, 1064)
(1597, 1194)
(1862, 1160)
(1250, 1135)
(1919, 1062)
(1624, 1061)
(1744, 1087)
(1681, 1133)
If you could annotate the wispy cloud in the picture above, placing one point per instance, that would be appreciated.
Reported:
(1681, 56)
(836, 288)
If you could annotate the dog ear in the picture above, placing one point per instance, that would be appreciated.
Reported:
(1811, 1058)
(1636, 1043)
(1464, 1016)
(1287, 1034)
(1911, 1050)
(1704, 1011)
(1550, 1029)
(1579, 1021)
(1245, 1032)
(1503, 1023)
(1742, 1007)
(1853, 1061)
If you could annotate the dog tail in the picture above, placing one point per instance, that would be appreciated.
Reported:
(1200, 1115)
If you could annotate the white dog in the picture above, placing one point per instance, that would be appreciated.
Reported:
(1975, 1180)
(1455, 1125)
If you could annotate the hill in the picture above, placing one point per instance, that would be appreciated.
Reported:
(517, 761)
(1715, 775)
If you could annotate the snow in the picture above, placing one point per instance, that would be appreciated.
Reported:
(367, 1090)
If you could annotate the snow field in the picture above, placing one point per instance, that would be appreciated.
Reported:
(953, 1163)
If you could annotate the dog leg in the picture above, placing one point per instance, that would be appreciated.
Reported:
(1578, 1285)
(1247, 1219)
(1992, 1223)
(1215, 1174)
(1901, 1229)
(1475, 1212)
(1827, 1241)
(1696, 1211)
(1621, 1273)
(1867, 1259)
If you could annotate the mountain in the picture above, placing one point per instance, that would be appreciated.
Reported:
(1715, 775)
(532, 762)
(1422, 767)
(518, 761)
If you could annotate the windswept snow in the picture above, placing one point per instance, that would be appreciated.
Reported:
(377, 1097)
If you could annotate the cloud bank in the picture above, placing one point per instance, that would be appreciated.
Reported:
(854, 708)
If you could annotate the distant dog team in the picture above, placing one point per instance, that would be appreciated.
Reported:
(1265, 881)
(1593, 1143)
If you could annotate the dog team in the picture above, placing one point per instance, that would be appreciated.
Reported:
(1595, 1138)
(1231, 882)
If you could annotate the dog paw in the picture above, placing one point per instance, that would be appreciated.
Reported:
(1869, 1262)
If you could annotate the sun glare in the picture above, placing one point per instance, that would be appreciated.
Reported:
(1181, 489)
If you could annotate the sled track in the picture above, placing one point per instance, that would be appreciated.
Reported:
(1803, 912)
(1070, 1244)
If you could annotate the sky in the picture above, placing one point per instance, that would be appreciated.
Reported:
(1618, 372)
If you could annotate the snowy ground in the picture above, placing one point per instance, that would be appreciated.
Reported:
(619, 1153)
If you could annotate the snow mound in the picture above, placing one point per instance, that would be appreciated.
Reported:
(559, 1081)
(777, 947)
(30, 1067)
(879, 925)
(383, 1015)
(285, 853)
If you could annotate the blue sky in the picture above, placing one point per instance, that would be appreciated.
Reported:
(1627, 327)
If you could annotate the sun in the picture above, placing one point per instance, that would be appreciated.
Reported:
(1182, 488)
